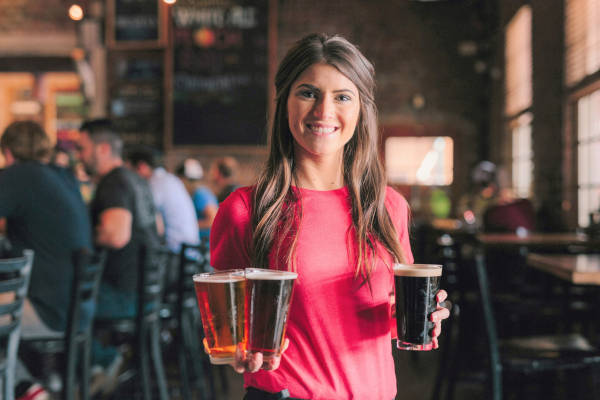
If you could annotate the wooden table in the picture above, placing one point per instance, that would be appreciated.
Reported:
(580, 269)
(536, 239)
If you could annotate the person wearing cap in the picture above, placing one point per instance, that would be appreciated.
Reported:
(205, 202)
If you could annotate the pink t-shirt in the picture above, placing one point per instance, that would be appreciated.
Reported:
(339, 331)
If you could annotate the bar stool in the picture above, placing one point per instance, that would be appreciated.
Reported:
(14, 282)
(74, 345)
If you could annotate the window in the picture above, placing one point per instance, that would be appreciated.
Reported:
(588, 155)
(416, 160)
(582, 39)
(518, 98)
(522, 164)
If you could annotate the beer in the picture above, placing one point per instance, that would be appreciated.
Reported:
(268, 295)
(416, 287)
(221, 301)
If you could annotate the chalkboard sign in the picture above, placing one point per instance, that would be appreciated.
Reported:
(134, 23)
(136, 96)
(220, 72)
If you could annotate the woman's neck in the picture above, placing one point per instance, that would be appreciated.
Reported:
(322, 173)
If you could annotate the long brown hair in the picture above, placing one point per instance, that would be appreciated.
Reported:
(277, 213)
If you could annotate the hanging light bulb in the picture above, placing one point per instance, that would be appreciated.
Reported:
(76, 12)
(169, 1)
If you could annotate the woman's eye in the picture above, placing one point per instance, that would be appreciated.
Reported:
(344, 98)
(309, 94)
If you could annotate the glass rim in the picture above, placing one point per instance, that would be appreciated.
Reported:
(418, 270)
(202, 277)
(277, 274)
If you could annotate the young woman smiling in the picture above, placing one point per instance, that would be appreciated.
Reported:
(322, 208)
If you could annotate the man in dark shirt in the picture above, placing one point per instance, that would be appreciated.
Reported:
(123, 217)
(44, 212)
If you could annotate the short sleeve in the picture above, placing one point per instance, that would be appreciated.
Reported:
(115, 193)
(231, 232)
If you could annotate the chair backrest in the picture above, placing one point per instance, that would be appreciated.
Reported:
(193, 259)
(151, 277)
(14, 282)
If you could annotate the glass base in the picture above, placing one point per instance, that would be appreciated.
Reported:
(414, 347)
(221, 360)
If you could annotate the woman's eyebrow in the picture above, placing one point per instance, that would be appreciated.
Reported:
(312, 87)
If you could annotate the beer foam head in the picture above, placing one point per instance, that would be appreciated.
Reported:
(269, 274)
(225, 276)
(417, 270)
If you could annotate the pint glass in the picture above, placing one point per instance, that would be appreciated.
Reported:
(221, 301)
(268, 295)
(416, 287)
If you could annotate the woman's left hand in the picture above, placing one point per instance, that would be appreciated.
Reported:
(440, 314)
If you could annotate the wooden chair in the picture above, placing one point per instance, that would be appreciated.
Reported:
(73, 348)
(524, 359)
(14, 282)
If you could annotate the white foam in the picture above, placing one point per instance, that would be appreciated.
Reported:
(269, 274)
(417, 270)
(220, 277)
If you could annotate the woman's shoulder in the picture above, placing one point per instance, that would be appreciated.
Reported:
(238, 203)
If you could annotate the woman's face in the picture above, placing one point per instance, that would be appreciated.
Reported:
(323, 108)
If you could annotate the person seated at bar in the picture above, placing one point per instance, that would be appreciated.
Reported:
(44, 212)
(171, 199)
(123, 218)
(205, 202)
(222, 175)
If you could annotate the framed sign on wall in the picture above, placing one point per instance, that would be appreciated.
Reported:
(136, 24)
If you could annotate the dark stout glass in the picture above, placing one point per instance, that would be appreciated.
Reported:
(221, 302)
(268, 295)
(416, 287)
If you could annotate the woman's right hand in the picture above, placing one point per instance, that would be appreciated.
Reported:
(252, 362)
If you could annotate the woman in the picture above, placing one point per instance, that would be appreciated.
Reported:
(321, 207)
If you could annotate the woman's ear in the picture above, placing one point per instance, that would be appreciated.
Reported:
(9, 159)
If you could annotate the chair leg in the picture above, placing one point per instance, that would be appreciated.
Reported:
(185, 379)
(86, 361)
(144, 366)
(158, 362)
(69, 375)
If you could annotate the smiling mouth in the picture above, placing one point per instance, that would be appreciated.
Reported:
(321, 130)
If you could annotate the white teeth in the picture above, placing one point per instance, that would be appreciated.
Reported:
(321, 130)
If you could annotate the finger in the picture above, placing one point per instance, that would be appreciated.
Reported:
(437, 329)
(286, 344)
(441, 296)
(440, 314)
(205, 343)
(255, 361)
(240, 364)
(271, 364)
(435, 343)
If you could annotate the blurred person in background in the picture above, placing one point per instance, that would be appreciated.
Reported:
(190, 172)
(124, 218)
(223, 174)
(44, 212)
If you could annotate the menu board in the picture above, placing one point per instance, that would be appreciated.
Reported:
(220, 72)
(136, 96)
(135, 23)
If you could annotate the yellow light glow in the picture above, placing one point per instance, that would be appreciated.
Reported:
(76, 12)
(170, 1)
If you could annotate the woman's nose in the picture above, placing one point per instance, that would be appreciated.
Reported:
(324, 108)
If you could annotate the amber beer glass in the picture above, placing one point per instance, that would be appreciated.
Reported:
(416, 286)
(268, 295)
(221, 301)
